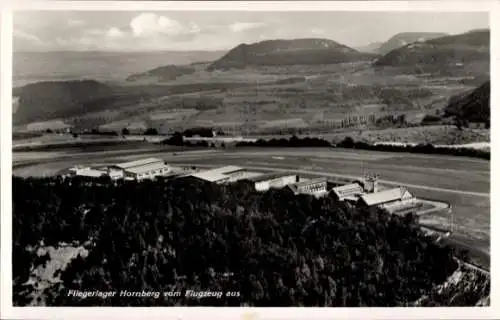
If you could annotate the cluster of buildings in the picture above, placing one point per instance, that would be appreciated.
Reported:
(367, 193)
(364, 193)
(134, 170)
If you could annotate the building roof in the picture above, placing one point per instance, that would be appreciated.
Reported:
(146, 168)
(245, 175)
(271, 176)
(348, 190)
(226, 169)
(385, 196)
(209, 176)
(352, 198)
(218, 174)
(136, 163)
(90, 173)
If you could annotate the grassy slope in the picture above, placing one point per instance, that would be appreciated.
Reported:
(288, 52)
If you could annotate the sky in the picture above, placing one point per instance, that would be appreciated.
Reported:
(198, 30)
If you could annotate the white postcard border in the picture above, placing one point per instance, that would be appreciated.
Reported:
(9, 312)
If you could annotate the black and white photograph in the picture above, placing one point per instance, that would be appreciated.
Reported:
(239, 158)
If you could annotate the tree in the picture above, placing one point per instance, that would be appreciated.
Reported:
(175, 140)
(151, 132)
(348, 142)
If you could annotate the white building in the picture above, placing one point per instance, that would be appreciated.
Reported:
(315, 187)
(221, 175)
(142, 169)
(390, 199)
(87, 172)
(274, 180)
(348, 192)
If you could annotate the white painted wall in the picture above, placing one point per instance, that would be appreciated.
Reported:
(317, 187)
(275, 183)
(150, 174)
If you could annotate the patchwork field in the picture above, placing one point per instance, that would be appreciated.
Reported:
(317, 99)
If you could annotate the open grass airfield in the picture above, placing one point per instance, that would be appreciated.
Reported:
(463, 182)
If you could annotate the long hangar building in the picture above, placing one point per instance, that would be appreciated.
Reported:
(224, 174)
(142, 169)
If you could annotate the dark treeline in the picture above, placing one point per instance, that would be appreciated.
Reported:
(294, 141)
(430, 119)
(420, 148)
(82, 145)
(151, 132)
(275, 248)
(177, 139)
(102, 132)
(202, 132)
(349, 143)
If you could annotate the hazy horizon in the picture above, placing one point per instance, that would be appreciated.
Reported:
(142, 32)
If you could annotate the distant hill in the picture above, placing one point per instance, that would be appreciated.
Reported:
(162, 74)
(288, 52)
(48, 100)
(441, 52)
(472, 106)
(402, 39)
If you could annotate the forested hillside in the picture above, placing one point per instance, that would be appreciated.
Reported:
(275, 248)
(472, 106)
(288, 52)
(442, 53)
(404, 38)
(47, 100)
